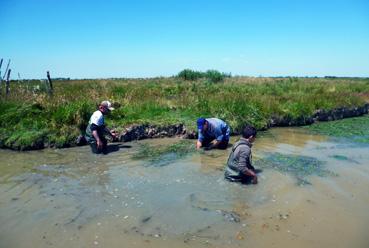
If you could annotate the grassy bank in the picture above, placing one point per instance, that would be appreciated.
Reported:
(352, 129)
(31, 119)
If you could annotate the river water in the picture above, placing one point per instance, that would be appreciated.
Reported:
(71, 198)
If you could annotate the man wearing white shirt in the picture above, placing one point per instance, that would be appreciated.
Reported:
(96, 129)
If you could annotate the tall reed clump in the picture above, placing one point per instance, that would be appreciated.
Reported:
(212, 76)
(188, 74)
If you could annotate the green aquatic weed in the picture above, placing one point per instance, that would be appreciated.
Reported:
(344, 158)
(354, 129)
(301, 167)
(164, 155)
(340, 157)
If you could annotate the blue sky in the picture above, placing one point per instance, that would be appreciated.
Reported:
(143, 38)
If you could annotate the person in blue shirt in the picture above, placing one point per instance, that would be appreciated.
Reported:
(212, 133)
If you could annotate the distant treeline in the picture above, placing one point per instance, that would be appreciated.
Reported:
(213, 76)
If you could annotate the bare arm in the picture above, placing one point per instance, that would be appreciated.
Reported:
(246, 167)
(112, 133)
(215, 143)
(98, 141)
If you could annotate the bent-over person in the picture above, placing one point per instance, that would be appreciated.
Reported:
(96, 129)
(212, 133)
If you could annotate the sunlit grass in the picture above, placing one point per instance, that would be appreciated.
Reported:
(166, 101)
(353, 129)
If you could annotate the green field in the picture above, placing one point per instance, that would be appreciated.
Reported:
(32, 119)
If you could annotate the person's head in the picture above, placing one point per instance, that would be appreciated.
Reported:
(202, 124)
(105, 107)
(249, 133)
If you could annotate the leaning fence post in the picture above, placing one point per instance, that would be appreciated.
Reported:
(50, 83)
(1, 63)
(8, 82)
(7, 67)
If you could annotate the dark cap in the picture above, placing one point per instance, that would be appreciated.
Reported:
(200, 123)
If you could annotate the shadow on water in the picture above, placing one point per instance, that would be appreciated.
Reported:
(116, 147)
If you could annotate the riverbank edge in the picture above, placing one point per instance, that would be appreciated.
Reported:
(147, 131)
(138, 132)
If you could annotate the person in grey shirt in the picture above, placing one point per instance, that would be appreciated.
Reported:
(239, 167)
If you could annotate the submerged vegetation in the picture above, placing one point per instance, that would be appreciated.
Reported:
(31, 119)
(164, 155)
(300, 167)
(353, 129)
(344, 158)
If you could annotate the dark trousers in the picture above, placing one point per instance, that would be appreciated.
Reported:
(96, 150)
(222, 145)
(241, 178)
(244, 179)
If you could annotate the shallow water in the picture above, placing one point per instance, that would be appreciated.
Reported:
(70, 198)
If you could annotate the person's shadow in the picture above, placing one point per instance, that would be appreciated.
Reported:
(116, 147)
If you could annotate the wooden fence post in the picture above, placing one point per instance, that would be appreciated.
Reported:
(8, 82)
(1, 63)
(50, 83)
(7, 67)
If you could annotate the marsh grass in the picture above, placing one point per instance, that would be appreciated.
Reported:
(300, 167)
(29, 110)
(352, 129)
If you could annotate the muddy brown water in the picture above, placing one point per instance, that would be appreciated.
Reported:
(71, 198)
